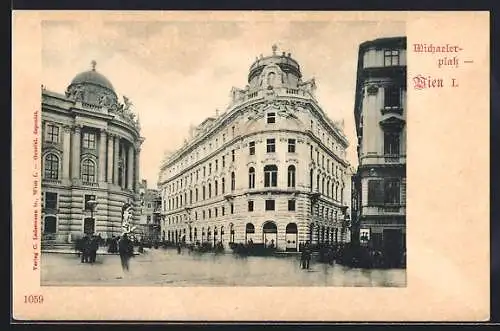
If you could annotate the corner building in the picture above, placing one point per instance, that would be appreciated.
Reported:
(379, 195)
(272, 167)
(91, 147)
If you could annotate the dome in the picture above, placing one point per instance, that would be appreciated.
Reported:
(92, 77)
(92, 87)
(284, 61)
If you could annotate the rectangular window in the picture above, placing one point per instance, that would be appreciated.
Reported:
(291, 145)
(271, 145)
(88, 197)
(148, 218)
(250, 205)
(392, 97)
(233, 155)
(269, 204)
(89, 140)
(223, 137)
(52, 133)
(210, 213)
(232, 208)
(392, 191)
(216, 165)
(391, 143)
(391, 57)
(271, 118)
(223, 161)
(223, 211)
(251, 148)
(50, 200)
(204, 214)
(204, 171)
(209, 168)
(375, 192)
(291, 205)
(216, 212)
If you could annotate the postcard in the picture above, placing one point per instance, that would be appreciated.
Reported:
(250, 166)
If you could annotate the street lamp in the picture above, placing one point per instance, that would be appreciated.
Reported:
(92, 204)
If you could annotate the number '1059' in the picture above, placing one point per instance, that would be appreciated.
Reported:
(33, 299)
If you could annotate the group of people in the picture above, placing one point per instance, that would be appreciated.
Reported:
(87, 248)
(88, 245)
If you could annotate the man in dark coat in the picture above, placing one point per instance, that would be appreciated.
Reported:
(126, 250)
(85, 249)
(93, 247)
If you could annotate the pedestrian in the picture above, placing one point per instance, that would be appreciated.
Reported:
(125, 249)
(178, 248)
(308, 253)
(93, 247)
(85, 247)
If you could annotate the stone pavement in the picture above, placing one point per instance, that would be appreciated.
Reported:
(162, 267)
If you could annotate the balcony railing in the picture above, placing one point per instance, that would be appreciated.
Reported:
(51, 181)
(92, 184)
(392, 110)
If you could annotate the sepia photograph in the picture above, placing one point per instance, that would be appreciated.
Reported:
(212, 153)
(250, 166)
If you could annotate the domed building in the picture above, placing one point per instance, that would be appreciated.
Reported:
(271, 169)
(90, 159)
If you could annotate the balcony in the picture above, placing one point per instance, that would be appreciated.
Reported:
(91, 184)
(51, 181)
(382, 159)
(398, 110)
(389, 209)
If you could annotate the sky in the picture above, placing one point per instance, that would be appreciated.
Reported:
(177, 73)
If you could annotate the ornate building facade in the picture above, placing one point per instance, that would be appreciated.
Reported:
(90, 159)
(271, 168)
(150, 212)
(379, 195)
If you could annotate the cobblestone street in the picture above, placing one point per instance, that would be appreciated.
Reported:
(167, 268)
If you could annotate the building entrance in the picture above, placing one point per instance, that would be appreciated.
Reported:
(393, 246)
(291, 237)
(270, 234)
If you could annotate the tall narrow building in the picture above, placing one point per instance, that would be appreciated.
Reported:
(379, 194)
(272, 168)
(90, 159)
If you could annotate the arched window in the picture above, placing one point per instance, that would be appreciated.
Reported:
(251, 177)
(209, 190)
(270, 78)
(216, 188)
(51, 166)
(317, 183)
(270, 176)
(203, 196)
(88, 171)
(328, 188)
(323, 186)
(291, 176)
(233, 181)
(196, 194)
(223, 185)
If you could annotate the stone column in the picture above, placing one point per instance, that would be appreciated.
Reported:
(75, 153)
(102, 156)
(136, 168)
(110, 158)
(130, 167)
(66, 152)
(115, 160)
